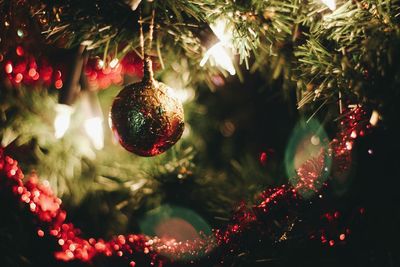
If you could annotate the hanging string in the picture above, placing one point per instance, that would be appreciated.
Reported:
(151, 30)
(141, 35)
(147, 63)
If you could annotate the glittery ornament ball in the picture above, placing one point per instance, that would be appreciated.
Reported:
(146, 118)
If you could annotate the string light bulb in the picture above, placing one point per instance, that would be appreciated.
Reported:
(93, 122)
(68, 94)
(219, 52)
(62, 120)
(114, 63)
(374, 118)
(94, 129)
(220, 56)
(331, 4)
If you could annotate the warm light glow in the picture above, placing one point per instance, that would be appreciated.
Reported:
(331, 4)
(219, 52)
(93, 119)
(184, 95)
(62, 120)
(100, 64)
(114, 63)
(94, 129)
(222, 30)
(220, 56)
(374, 118)
(8, 68)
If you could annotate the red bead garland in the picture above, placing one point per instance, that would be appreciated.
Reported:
(52, 218)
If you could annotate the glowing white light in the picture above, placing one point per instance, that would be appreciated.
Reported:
(134, 3)
(138, 185)
(315, 140)
(62, 120)
(374, 118)
(220, 56)
(100, 64)
(93, 118)
(114, 63)
(184, 95)
(222, 30)
(94, 129)
(331, 4)
(219, 51)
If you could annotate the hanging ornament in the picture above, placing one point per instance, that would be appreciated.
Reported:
(146, 118)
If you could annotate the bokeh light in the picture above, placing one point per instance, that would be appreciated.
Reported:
(175, 224)
(307, 160)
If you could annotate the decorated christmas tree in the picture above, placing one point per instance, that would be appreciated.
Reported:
(199, 133)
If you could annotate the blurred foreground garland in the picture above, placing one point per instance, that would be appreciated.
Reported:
(278, 206)
(318, 50)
